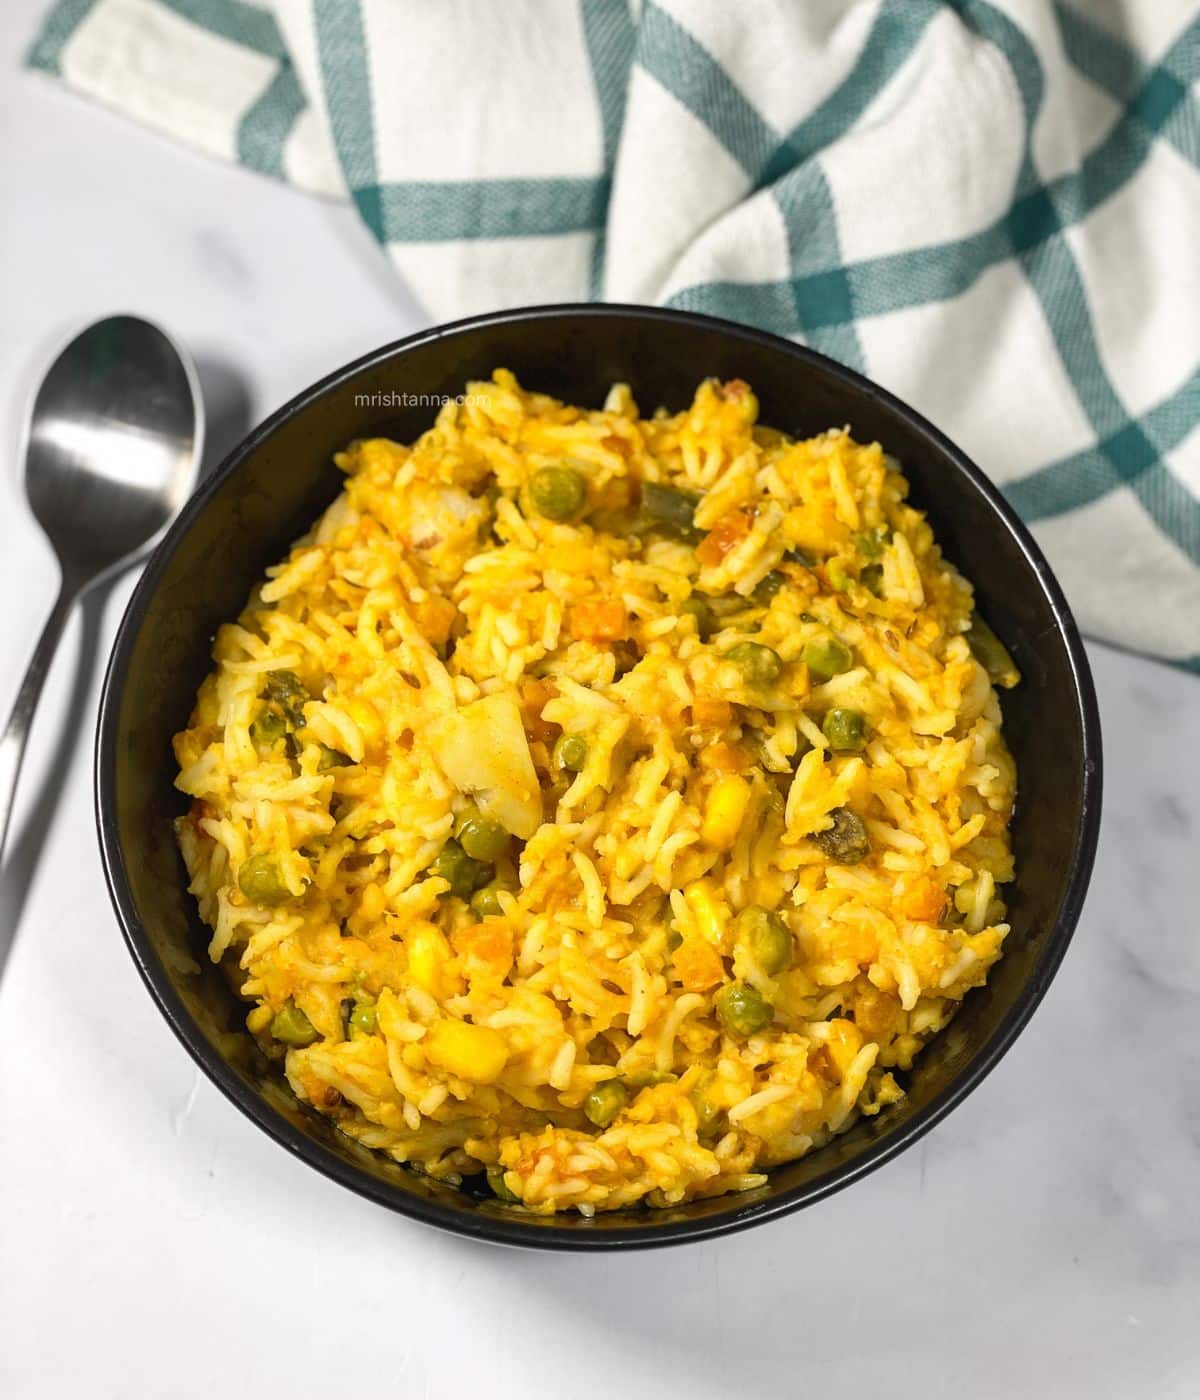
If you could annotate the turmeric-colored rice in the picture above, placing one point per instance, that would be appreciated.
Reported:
(754, 690)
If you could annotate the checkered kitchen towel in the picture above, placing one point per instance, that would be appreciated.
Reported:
(990, 206)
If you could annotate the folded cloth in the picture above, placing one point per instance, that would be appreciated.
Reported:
(992, 207)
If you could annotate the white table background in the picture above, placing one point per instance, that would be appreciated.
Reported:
(1043, 1242)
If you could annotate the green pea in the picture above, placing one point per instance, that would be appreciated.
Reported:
(464, 874)
(605, 1101)
(669, 509)
(742, 1010)
(364, 1018)
(846, 730)
(765, 937)
(700, 611)
(846, 839)
(826, 657)
(331, 758)
(558, 493)
(992, 654)
(267, 727)
(259, 879)
(291, 1026)
(485, 902)
(570, 752)
(707, 1112)
(759, 665)
(482, 838)
(500, 1188)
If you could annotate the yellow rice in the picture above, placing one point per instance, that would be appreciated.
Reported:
(461, 1044)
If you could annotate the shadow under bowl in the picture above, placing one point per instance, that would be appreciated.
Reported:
(275, 484)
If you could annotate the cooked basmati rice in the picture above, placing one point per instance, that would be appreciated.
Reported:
(423, 655)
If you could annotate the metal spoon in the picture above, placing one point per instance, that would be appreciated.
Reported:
(113, 445)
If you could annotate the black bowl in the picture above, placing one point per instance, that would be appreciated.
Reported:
(277, 482)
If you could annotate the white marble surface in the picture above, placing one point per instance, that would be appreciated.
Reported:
(1043, 1242)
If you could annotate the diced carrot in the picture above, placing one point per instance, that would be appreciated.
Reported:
(485, 947)
(599, 620)
(697, 964)
(724, 758)
(535, 696)
(924, 901)
(435, 617)
(729, 531)
(857, 942)
(711, 714)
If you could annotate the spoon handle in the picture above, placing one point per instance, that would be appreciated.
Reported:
(16, 732)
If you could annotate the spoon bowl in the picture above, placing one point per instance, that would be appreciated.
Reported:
(114, 437)
(112, 449)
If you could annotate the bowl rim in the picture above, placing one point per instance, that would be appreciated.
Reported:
(526, 1230)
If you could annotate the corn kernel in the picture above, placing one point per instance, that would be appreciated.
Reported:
(427, 951)
(723, 812)
(700, 901)
(475, 1053)
(844, 1043)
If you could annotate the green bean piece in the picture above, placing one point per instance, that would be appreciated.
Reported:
(463, 874)
(558, 493)
(992, 654)
(604, 1102)
(332, 758)
(767, 586)
(482, 838)
(846, 839)
(846, 730)
(500, 1189)
(765, 937)
(742, 1010)
(570, 753)
(260, 880)
(268, 727)
(870, 543)
(726, 605)
(649, 1078)
(669, 509)
(364, 1019)
(835, 571)
(827, 657)
(759, 665)
(292, 1027)
(700, 611)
